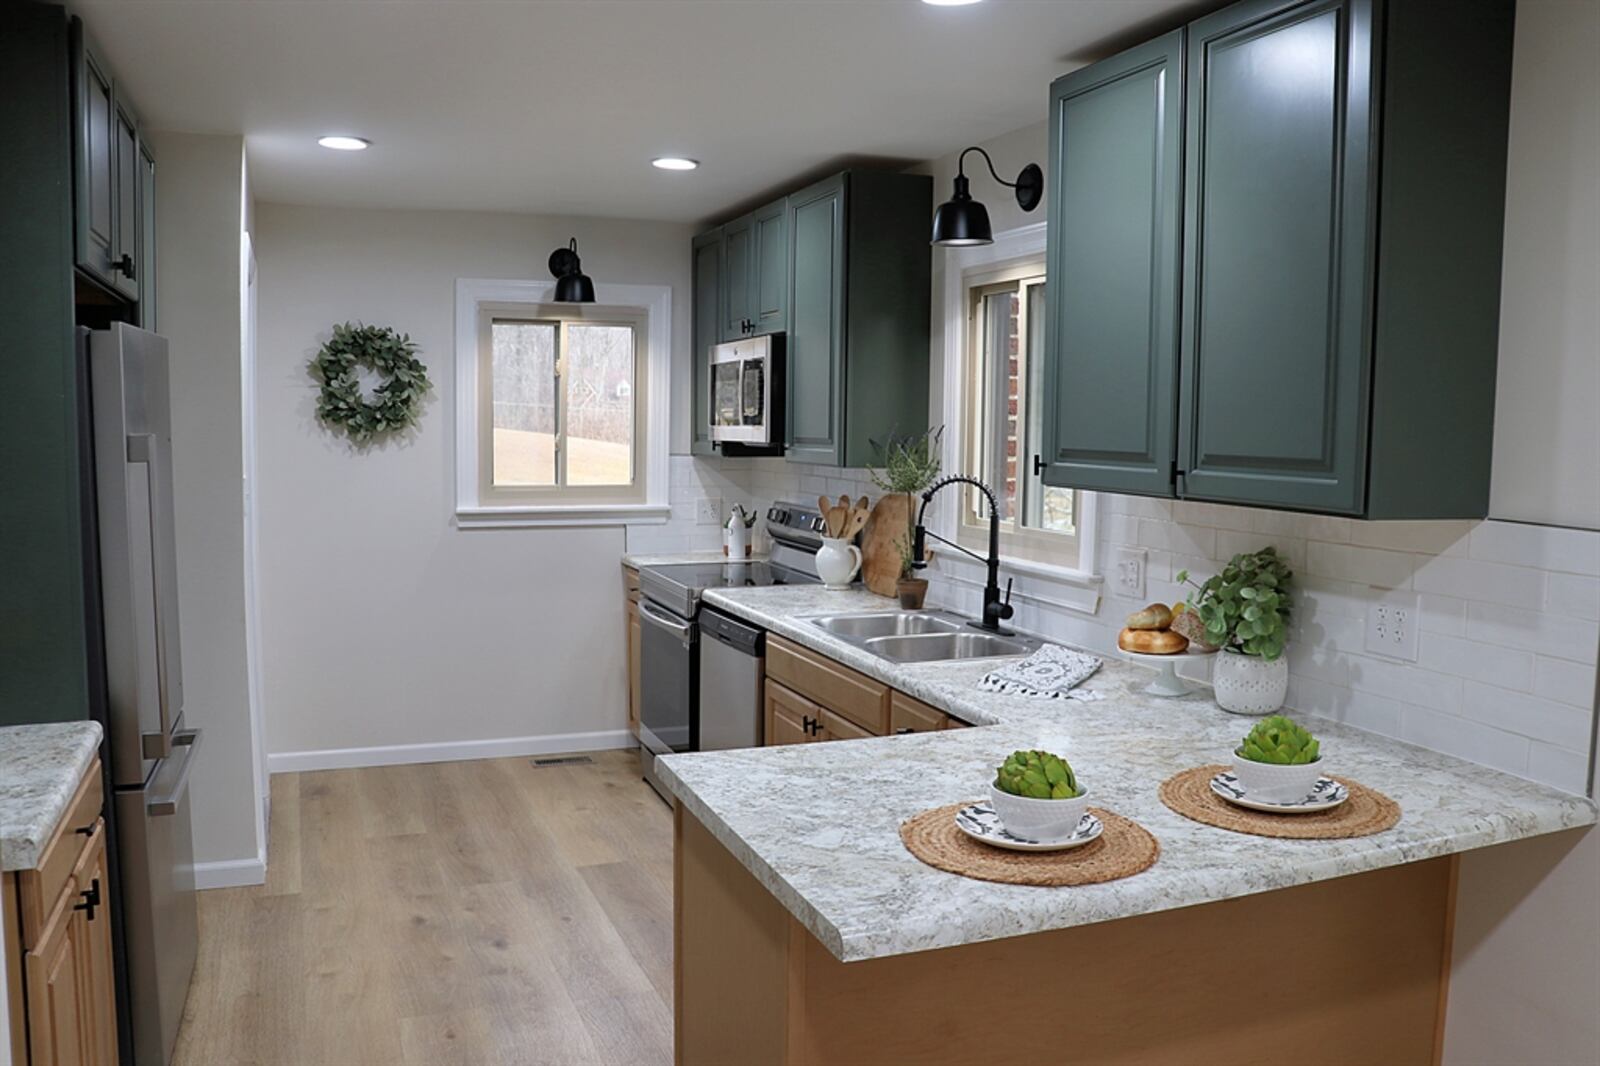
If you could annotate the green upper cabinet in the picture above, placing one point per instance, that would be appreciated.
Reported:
(125, 250)
(108, 171)
(1112, 326)
(755, 273)
(859, 288)
(146, 240)
(706, 330)
(1343, 179)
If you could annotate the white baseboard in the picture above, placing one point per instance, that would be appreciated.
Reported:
(231, 873)
(448, 751)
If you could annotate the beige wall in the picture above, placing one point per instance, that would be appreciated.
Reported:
(1547, 417)
(199, 199)
(382, 624)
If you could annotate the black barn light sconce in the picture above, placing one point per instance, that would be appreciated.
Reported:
(961, 220)
(573, 286)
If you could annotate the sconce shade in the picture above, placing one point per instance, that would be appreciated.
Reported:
(573, 286)
(961, 220)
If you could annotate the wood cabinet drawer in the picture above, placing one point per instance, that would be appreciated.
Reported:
(39, 888)
(837, 727)
(837, 688)
(630, 583)
(790, 717)
(907, 715)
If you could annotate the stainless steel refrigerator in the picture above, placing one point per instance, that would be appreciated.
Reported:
(149, 750)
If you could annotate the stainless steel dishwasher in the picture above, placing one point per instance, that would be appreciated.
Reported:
(732, 672)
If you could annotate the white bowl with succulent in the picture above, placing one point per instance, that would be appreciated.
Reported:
(1278, 761)
(1037, 796)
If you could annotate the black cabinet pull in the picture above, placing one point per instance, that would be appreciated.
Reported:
(91, 899)
(125, 265)
(904, 729)
(85, 830)
(1038, 464)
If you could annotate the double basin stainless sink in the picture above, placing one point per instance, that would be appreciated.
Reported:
(922, 636)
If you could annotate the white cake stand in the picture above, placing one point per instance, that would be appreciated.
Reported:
(1167, 682)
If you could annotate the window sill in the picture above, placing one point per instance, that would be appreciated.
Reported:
(623, 514)
(1057, 586)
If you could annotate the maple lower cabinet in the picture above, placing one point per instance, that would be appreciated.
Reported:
(809, 697)
(630, 585)
(61, 987)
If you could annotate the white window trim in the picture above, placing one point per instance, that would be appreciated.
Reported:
(471, 511)
(1077, 587)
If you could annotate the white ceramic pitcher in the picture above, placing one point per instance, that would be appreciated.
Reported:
(838, 562)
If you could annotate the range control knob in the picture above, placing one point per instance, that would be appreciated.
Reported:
(778, 515)
(818, 525)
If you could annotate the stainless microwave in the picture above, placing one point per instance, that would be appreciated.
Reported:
(746, 401)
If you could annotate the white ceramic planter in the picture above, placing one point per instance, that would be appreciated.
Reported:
(1272, 783)
(1249, 684)
(1038, 819)
(838, 561)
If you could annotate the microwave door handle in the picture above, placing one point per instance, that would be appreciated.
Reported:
(145, 448)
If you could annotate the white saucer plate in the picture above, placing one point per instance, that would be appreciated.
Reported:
(979, 822)
(1325, 795)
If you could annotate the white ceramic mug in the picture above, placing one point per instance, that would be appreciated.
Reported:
(838, 562)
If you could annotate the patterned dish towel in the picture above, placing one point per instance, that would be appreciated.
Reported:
(1048, 674)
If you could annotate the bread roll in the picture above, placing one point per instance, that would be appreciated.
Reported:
(1152, 641)
(1188, 623)
(1155, 616)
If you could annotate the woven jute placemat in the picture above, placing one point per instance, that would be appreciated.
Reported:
(1123, 848)
(1364, 813)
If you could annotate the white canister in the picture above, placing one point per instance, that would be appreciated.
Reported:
(735, 539)
(1249, 684)
(838, 562)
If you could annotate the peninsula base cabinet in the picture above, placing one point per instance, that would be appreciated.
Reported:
(1195, 984)
(1274, 246)
(810, 698)
(59, 966)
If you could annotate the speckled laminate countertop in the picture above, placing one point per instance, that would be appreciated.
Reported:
(40, 767)
(818, 824)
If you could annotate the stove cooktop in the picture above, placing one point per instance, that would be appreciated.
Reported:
(677, 586)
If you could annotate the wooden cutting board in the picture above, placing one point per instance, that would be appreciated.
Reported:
(887, 528)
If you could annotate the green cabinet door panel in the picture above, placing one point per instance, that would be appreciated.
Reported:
(125, 250)
(146, 241)
(706, 331)
(1111, 334)
(815, 342)
(769, 261)
(93, 161)
(1278, 189)
(737, 303)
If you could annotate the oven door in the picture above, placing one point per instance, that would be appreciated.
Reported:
(669, 670)
(741, 391)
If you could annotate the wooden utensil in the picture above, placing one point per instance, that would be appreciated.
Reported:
(858, 522)
(837, 517)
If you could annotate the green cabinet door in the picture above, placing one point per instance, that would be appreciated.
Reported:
(146, 240)
(706, 330)
(1277, 209)
(125, 248)
(94, 162)
(813, 429)
(1111, 334)
(738, 305)
(769, 263)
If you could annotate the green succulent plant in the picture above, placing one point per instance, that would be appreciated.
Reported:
(1280, 741)
(1037, 775)
(1246, 607)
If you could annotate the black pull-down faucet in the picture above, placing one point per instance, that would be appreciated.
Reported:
(995, 609)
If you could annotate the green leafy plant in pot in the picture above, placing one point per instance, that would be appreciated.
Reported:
(1245, 611)
(910, 465)
(1037, 796)
(1278, 761)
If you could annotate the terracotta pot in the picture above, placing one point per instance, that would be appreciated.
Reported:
(912, 591)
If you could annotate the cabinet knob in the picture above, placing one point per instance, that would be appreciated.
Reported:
(124, 265)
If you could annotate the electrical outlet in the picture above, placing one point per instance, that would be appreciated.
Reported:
(1130, 572)
(1392, 620)
(708, 512)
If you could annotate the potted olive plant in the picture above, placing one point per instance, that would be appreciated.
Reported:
(910, 465)
(1245, 611)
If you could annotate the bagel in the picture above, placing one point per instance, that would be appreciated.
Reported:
(1155, 616)
(1152, 641)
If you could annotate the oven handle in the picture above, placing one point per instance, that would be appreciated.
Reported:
(684, 631)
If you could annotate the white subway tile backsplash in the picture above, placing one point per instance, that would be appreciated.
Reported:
(1507, 667)
(1178, 539)
(1564, 681)
(1373, 566)
(1469, 579)
(1286, 523)
(1231, 542)
(1529, 716)
(1432, 538)
(1563, 638)
(1572, 595)
(1465, 739)
(1560, 767)
(1405, 683)
(1442, 614)
(1574, 551)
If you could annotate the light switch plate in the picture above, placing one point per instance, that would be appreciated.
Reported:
(1130, 572)
(1392, 619)
(708, 512)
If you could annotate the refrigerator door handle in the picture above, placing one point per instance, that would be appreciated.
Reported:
(169, 782)
(145, 448)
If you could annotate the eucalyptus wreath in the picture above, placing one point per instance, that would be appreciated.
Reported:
(393, 404)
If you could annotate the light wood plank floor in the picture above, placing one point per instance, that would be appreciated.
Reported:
(468, 912)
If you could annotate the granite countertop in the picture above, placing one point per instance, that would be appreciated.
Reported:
(40, 767)
(818, 824)
(713, 555)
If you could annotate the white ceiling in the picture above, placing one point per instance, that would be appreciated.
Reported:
(558, 106)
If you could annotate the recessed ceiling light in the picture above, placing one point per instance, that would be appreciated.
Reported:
(949, 3)
(344, 144)
(673, 162)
